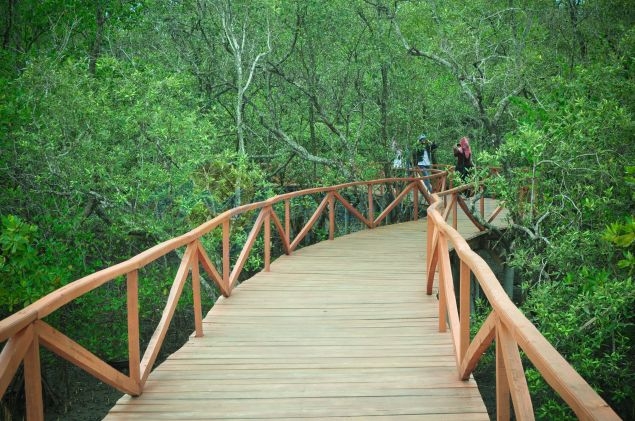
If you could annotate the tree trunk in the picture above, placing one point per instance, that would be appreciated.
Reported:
(6, 36)
(99, 33)
(383, 109)
(508, 281)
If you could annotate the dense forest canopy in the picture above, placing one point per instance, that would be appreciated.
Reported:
(124, 123)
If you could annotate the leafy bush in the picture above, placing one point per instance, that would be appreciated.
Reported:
(28, 265)
(566, 175)
(623, 236)
(588, 318)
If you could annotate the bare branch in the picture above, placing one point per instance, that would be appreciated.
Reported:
(504, 103)
(405, 43)
(453, 68)
(301, 150)
(283, 166)
(323, 118)
(258, 57)
(541, 219)
(532, 235)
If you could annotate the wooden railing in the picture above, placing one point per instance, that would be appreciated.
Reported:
(505, 325)
(26, 330)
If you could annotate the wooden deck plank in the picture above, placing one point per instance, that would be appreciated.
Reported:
(210, 417)
(342, 329)
(312, 407)
(239, 392)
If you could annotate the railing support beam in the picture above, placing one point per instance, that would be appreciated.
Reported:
(267, 239)
(134, 350)
(331, 216)
(371, 207)
(502, 384)
(33, 381)
(196, 294)
(464, 302)
(226, 268)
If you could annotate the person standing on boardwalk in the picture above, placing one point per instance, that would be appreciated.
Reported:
(463, 154)
(399, 164)
(423, 158)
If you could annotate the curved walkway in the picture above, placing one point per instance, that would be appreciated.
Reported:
(340, 329)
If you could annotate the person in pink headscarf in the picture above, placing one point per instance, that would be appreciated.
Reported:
(463, 154)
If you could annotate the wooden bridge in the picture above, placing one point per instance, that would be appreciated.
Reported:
(366, 325)
(339, 329)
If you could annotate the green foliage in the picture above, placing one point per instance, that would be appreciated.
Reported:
(222, 174)
(16, 237)
(564, 182)
(17, 260)
(480, 311)
(30, 267)
(588, 318)
(623, 236)
(566, 173)
(119, 134)
(562, 177)
(629, 180)
(111, 317)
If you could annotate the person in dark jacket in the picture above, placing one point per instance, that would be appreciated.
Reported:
(463, 154)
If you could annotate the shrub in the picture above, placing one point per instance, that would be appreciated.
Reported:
(588, 318)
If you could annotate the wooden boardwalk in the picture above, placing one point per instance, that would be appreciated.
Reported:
(341, 329)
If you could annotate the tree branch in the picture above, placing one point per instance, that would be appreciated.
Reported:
(255, 62)
(532, 235)
(504, 103)
(301, 150)
(323, 118)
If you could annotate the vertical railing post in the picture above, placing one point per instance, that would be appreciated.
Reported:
(226, 270)
(415, 199)
(502, 385)
(331, 216)
(429, 240)
(464, 303)
(134, 350)
(196, 295)
(287, 219)
(33, 380)
(482, 202)
(450, 187)
(371, 206)
(442, 249)
(267, 238)
(455, 205)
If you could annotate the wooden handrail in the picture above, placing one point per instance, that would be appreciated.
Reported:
(506, 325)
(24, 331)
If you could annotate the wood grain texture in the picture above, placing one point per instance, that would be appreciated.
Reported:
(340, 329)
